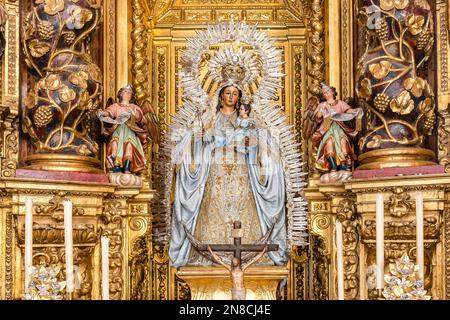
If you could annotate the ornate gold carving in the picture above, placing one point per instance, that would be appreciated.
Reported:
(198, 15)
(346, 213)
(139, 67)
(300, 274)
(139, 269)
(56, 208)
(113, 230)
(139, 209)
(12, 56)
(161, 82)
(138, 223)
(9, 275)
(320, 262)
(182, 290)
(222, 15)
(403, 229)
(399, 204)
(347, 44)
(320, 207)
(171, 16)
(60, 107)
(393, 251)
(298, 76)
(54, 234)
(316, 47)
(442, 79)
(110, 75)
(447, 253)
(160, 274)
(11, 152)
(259, 15)
(82, 259)
(398, 101)
(287, 16)
(212, 283)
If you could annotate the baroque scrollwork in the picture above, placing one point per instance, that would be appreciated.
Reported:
(160, 272)
(112, 220)
(139, 269)
(346, 213)
(56, 209)
(317, 47)
(54, 234)
(403, 229)
(59, 107)
(397, 37)
(399, 204)
(320, 268)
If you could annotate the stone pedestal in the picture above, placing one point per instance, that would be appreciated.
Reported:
(213, 283)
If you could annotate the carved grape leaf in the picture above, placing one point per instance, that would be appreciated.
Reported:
(38, 49)
(415, 86)
(79, 79)
(402, 104)
(375, 142)
(380, 70)
(391, 4)
(66, 94)
(415, 23)
(52, 7)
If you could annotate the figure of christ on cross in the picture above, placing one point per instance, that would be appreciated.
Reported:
(238, 264)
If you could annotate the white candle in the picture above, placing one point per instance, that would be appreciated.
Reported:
(68, 240)
(28, 263)
(419, 232)
(105, 267)
(339, 260)
(380, 240)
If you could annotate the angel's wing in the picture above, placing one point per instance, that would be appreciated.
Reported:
(152, 122)
(310, 123)
(109, 102)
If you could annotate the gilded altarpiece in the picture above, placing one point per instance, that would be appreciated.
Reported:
(171, 23)
(142, 43)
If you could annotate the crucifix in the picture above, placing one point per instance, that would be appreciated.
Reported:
(238, 264)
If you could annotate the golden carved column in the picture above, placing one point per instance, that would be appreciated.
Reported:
(341, 206)
(64, 86)
(316, 48)
(394, 84)
(443, 85)
(9, 108)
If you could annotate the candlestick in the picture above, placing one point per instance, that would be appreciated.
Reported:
(419, 233)
(28, 263)
(68, 240)
(105, 267)
(339, 260)
(380, 240)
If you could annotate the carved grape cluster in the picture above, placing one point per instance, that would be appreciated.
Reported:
(382, 29)
(381, 102)
(46, 30)
(69, 38)
(424, 39)
(428, 125)
(43, 116)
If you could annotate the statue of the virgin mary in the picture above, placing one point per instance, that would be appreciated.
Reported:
(221, 177)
